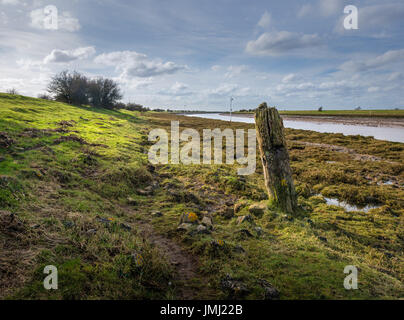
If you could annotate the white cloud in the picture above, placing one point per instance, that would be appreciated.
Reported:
(387, 58)
(66, 21)
(290, 78)
(373, 89)
(304, 10)
(376, 17)
(177, 89)
(277, 42)
(395, 76)
(265, 20)
(134, 64)
(325, 8)
(11, 2)
(331, 7)
(234, 71)
(28, 64)
(3, 18)
(215, 68)
(224, 89)
(65, 56)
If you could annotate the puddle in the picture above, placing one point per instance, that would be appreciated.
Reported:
(349, 207)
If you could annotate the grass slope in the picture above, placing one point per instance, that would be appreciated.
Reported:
(82, 194)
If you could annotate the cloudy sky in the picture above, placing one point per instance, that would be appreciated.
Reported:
(197, 54)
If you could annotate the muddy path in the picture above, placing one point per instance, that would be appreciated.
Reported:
(187, 278)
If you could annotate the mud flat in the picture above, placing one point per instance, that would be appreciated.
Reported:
(362, 121)
(389, 129)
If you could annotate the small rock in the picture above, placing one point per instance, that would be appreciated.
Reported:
(217, 244)
(271, 293)
(146, 192)
(91, 231)
(131, 201)
(155, 185)
(156, 214)
(239, 249)
(5, 140)
(227, 213)
(137, 259)
(285, 217)
(257, 209)
(238, 206)
(323, 239)
(185, 227)
(104, 220)
(202, 230)
(190, 217)
(235, 288)
(244, 219)
(309, 221)
(126, 227)
(259, 231)
(207, 222)
(68, 224)
(246, 233)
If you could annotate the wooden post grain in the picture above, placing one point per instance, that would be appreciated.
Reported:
(275, 158)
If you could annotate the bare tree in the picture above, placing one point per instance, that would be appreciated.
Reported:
(44, 96)
(103, 93)
(69, 88)
(75, 88)
(12, 91)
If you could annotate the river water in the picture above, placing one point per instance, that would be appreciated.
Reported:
(395, 134)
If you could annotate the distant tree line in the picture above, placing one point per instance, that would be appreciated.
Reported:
(131, 106)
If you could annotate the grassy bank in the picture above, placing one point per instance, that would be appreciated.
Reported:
(77, 192)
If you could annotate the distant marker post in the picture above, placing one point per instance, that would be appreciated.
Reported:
(231, 108)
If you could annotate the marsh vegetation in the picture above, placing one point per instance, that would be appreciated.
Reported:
(77, 192)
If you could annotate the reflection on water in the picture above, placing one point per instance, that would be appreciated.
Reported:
(348, 207)
(381, 133)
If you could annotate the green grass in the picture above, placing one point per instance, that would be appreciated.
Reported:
(69, 190)
(51, 183)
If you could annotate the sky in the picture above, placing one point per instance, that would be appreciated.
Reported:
(196, 55)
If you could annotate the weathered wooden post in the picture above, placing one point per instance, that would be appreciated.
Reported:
(275, 158)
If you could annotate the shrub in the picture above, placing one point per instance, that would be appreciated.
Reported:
(75, 88)
(12, 91)
(103, 93)
(69, 87)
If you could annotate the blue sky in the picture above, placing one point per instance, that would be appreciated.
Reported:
(197, 54)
